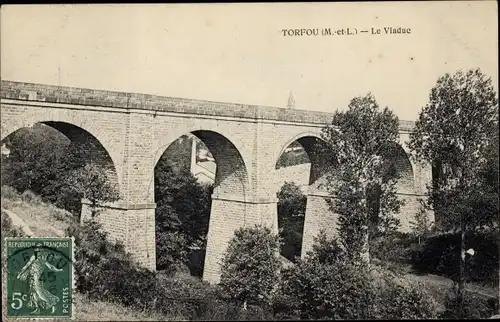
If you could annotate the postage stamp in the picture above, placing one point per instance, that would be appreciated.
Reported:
(40, 277)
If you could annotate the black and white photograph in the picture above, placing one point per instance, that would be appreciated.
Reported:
(250, 161)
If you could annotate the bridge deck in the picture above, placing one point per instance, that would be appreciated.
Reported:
(92, 97)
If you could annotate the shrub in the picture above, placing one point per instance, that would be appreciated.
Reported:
(105, 272)
(325, 250)
(31, 197)
(291, 212)
(91, 182)
(285, 305)
(474, 306)
(395, 301)
(92, 254)
(320, 291)
(9, 230)
(61, 214)
(171, 244)
(250, 266)
(331, 287)
(9, 192)
(395, 247)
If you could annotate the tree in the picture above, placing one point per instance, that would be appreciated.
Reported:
(171, 244)
(34, 155)
(291, 212)
(45, 161)
(91, 182)
(250, 265)
(325, 250)
(362, 178)
(455, 133)
(183, 210)
(422, 223)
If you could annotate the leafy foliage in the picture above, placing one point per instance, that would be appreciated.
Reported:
(327, 285)
(45, 162)
(328, 291)
(291, 213)
(362, 181)
(421, 224)
(250, 265)
(91, 182)
(183, 210)
(474, 306)
(326, 250)
(395, 301)
(457, 132)
(395, 250)
(105, 271)
(8, 229)
(171, 244)
(33, 154)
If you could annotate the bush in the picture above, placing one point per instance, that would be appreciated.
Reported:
(325, 250)
(171, 244)
(474, 306)
(250, 266)
(9, 230)
(396, 247)
(330, 287)
(285, 306)
(61, 214)
(9, 192)
(291, 212)
(104, 271)
(395, 301)
(31, 197)
(320, 291)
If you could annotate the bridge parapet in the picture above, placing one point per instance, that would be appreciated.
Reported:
(154, 103)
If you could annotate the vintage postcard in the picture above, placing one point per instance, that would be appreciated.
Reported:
(260, 161)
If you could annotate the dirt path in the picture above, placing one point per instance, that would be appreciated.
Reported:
(38, 228)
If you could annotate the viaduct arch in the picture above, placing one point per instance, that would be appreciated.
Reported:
(135, 129)
(230, 189)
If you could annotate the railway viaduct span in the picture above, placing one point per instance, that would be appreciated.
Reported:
(130, 132)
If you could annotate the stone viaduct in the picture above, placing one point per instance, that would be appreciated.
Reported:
(131, 131)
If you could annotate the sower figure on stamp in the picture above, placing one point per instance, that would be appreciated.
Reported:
(39, 298)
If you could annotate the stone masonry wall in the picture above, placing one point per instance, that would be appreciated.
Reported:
(318, 216)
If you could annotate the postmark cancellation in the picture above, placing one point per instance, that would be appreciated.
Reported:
(39, 277)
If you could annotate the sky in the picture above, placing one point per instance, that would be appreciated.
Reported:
(237, 52)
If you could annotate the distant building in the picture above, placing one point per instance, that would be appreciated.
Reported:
(205, 171)
(203, 167)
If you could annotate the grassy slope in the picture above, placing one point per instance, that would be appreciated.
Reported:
(44, 220)
(439, 286)
(47, 220)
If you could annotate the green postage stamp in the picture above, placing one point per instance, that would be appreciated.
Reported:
(40, 277)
